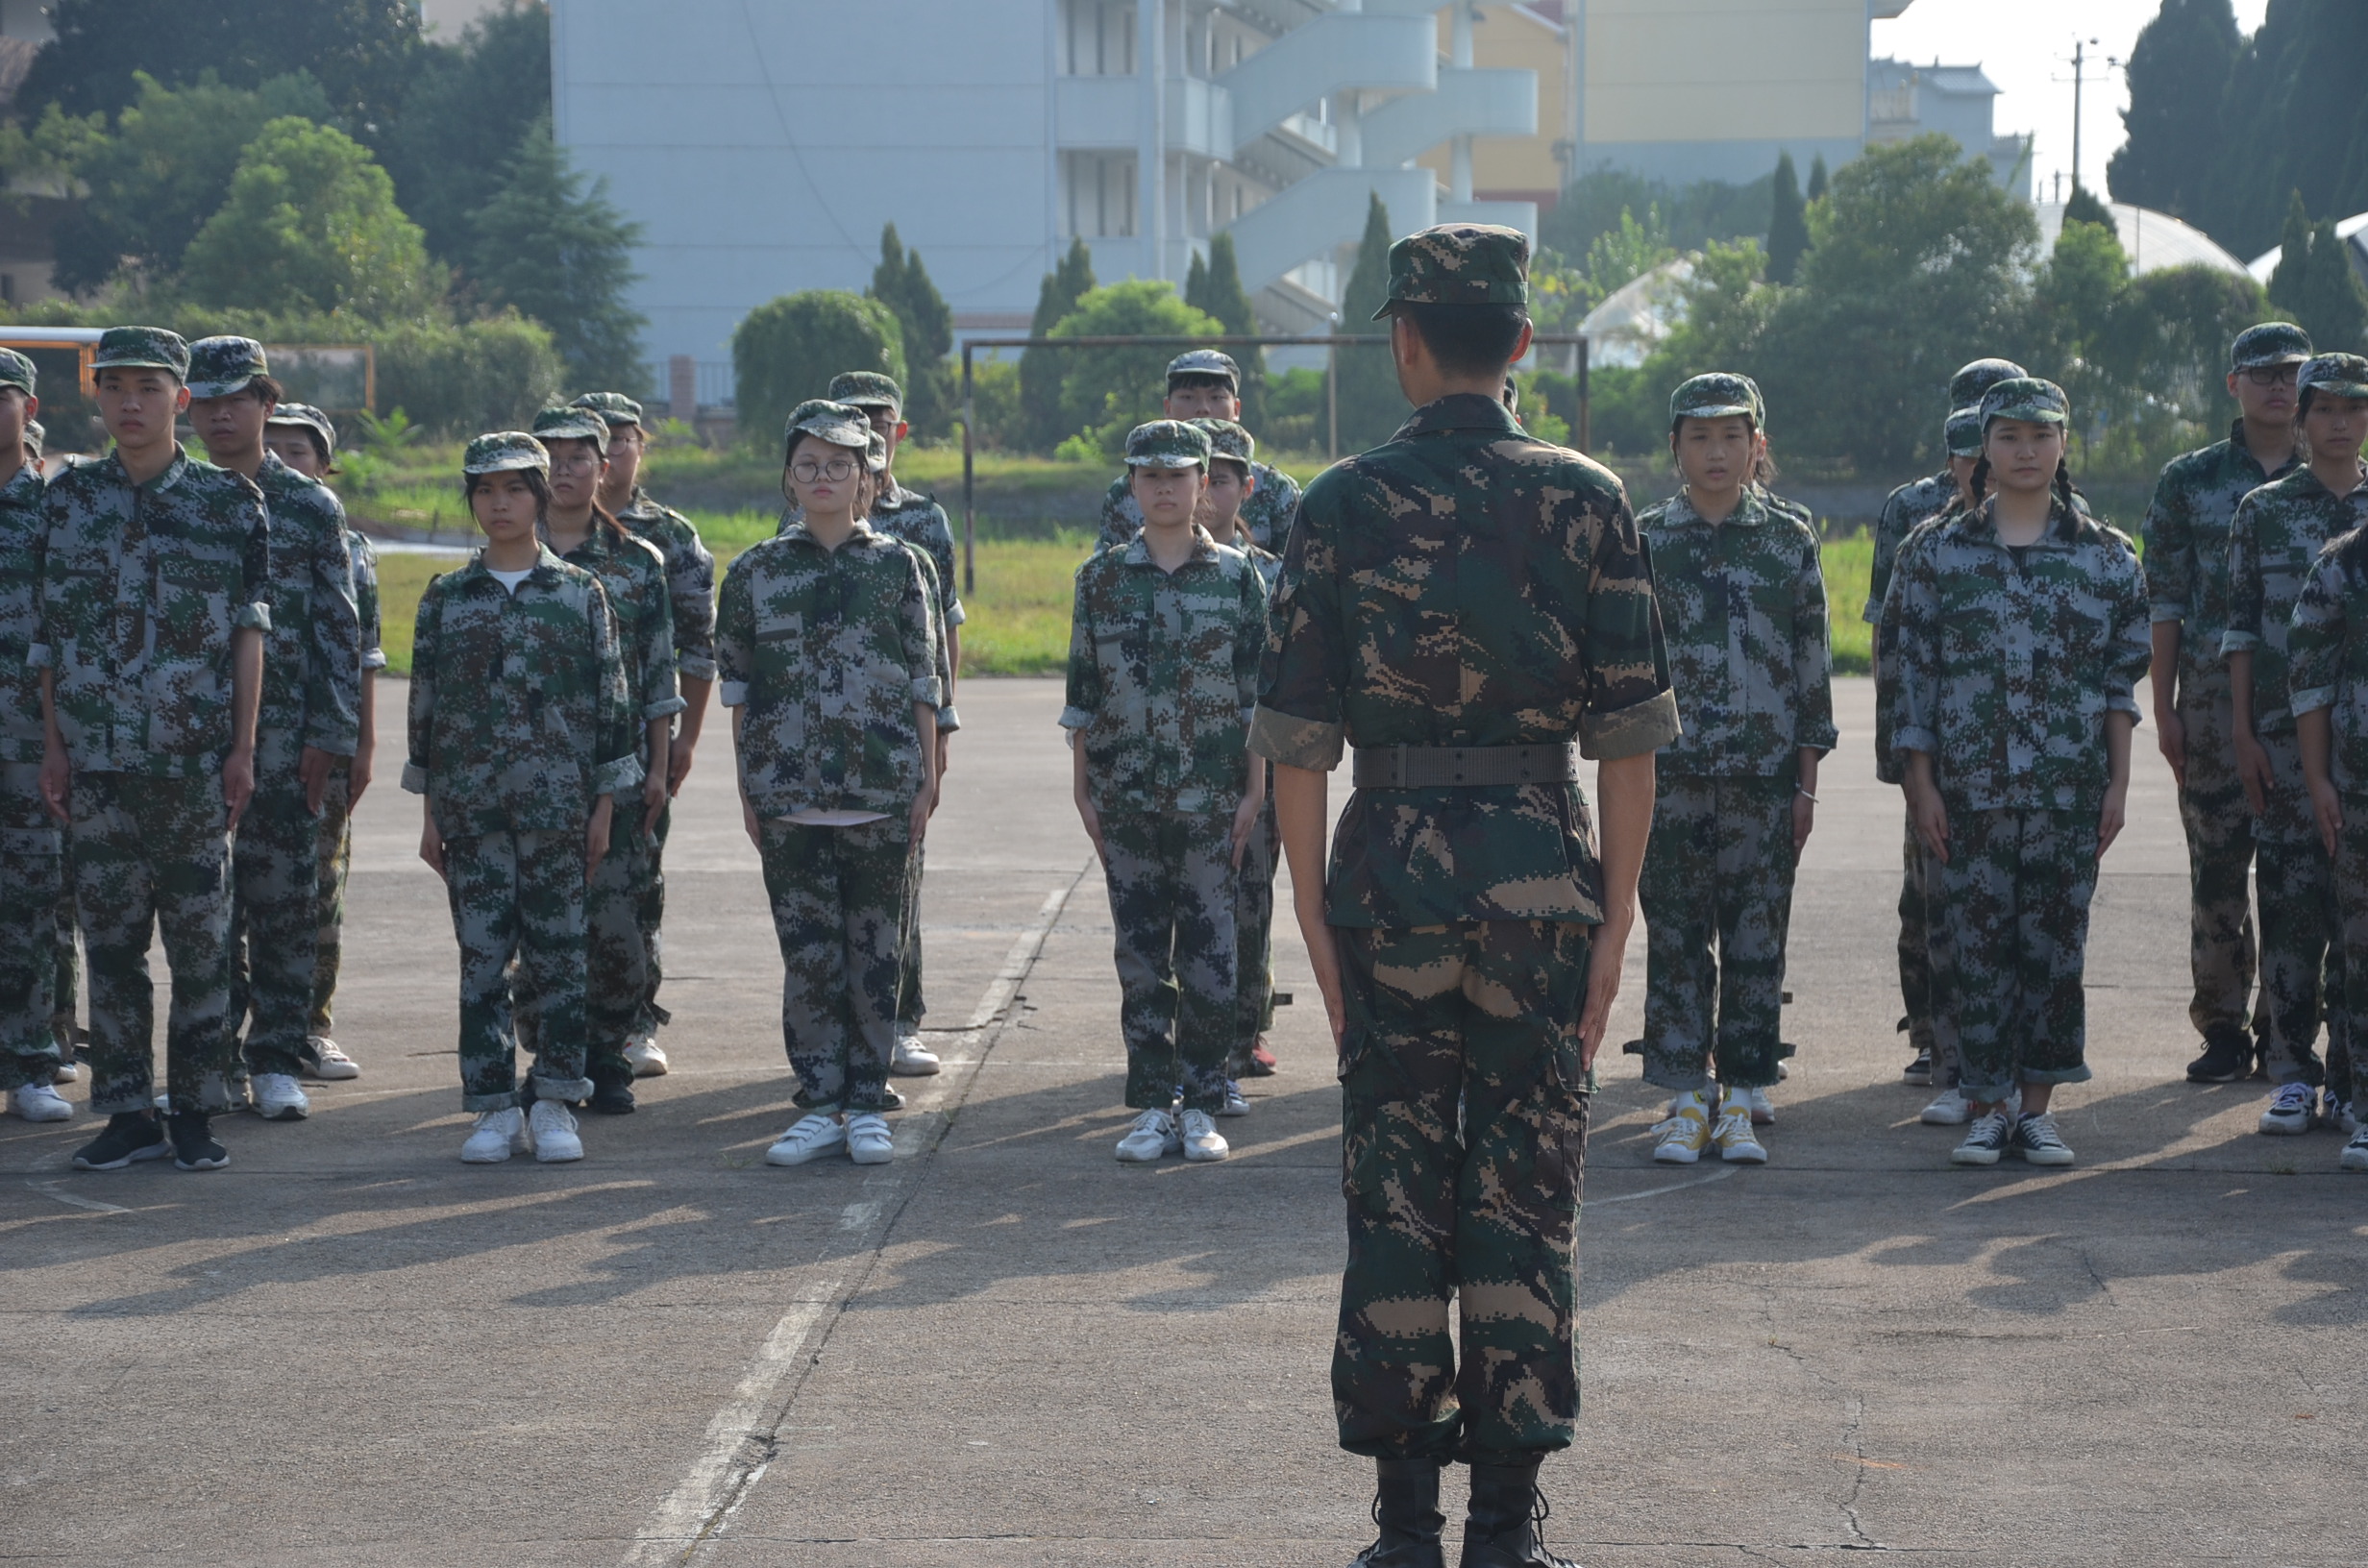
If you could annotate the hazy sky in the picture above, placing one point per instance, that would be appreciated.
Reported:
(2025, 46)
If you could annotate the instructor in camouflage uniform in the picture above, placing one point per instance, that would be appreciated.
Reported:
(1460, 605)
(1203, 383)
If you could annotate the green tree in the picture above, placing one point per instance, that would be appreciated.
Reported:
(902, 285)
(2073, 315)
(1041, 369)
(359, 50)
(2168, 342)
(1219, 292)
(1107, 392)
(311, 222)
(787, 350)
(470, 104)
(2178, 79)
(551, 249)
(2288, 285)
(1787, 228)
(2334, 310)
(1371, 404)
(1692, 215)
(1627, 253)
(490, 375)
(1818, 180)
(2084, 208)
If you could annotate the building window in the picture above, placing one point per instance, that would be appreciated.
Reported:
(1099, 36)
(1099, 194)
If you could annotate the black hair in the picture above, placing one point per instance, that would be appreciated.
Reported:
(2065, 490)
(861, 455)
(536, 480)
(266, 390)
(1186, 380)
(1467, 339)
(320, 447)
(1762, 463)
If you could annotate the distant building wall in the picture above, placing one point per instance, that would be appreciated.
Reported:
(1532, 168)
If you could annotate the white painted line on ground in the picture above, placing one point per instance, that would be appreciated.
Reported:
(49, 1189)
(1718, 1175)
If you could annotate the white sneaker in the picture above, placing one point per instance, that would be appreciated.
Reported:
(1949, 1109)
(1201, 1141)
(68, 1071)
(1235, 1104)
(329, 1065)
(2337, 1113)
(277, 1098)
(499, 1134)
(1153, 1134)
(38, 1102)
(809, 1138)
(645, 1058)
(1738, 1144)
(908, 1058)
(2355, 1155)
(552, 1126)
(1754, 1101)
(1681, 1139)
(868, 1141)
(2289, 1115)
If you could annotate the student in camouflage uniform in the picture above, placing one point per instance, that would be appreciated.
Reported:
(2278, 534)
(2021, 631)
(2327, 680)
(1203, 383)
(155, 580)
(307, 727)
(690, 583)
(65, 962)
(2186, 535)
(1742, 604)
(301, 436)
(31, 882)
(1164, 644)
(832, 661)
(1461, 605)
(522, 737)
(633, 576)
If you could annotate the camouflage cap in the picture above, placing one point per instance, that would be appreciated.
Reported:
(1205, 362)
(143, 348)
(866, 389)
(1968, 385)
(613, 407)
(1511, 395)
(572, 424)
(876, 452)
(840, 423)
(221, 367)
(1227, 439)
(1166, 443)
(2026, 398)
(1721, 394)
(499, 452)
(15, 370)
(1963, 434)
(2337, 374)
(1458, 263)
(309, 418)
(2271, 343)
(36, 439)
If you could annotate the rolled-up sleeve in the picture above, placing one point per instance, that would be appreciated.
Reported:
(1084, 689)
(1301, 719)
(2244, 629)
(735, 636)
(2315, 648)
(1630, 708)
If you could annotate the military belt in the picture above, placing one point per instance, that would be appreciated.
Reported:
(1469, 767)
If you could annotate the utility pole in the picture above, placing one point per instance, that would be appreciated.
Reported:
(2079, 58)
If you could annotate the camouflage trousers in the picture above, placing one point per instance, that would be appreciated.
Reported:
(335, 863)
(617, 985)
(838, 896)
(275, 926)
(32, 879)
(1717, 871)
(2219, 826)
(2013, 914)
(2348, 1009)
(651, 897)
(2301, 942)
(910, 1009)
(1171, 898)
(1253, 930)
(517, 899)
(1463, 1144)
(60, 935)
(1919, 969)
(153, 855)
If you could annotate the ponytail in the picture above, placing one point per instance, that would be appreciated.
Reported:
(1979, 481)
(1763, 467)
(617, 532)
(2065, 490)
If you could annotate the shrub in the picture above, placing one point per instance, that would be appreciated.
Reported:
(786, 351)
(490, 375)
(1107, 392)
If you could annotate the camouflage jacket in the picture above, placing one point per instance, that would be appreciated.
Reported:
(366, 598)
(2327, 657)
(690, 581)
(1902, 510)
(920, 523)
(1464, 584)
(1163, 672)
(2275, 539)
(1888, 766)
(2007, 668)
(633, 576)
(141, 587)
(1266, 511)
(22, 535)
(2186, 533)
(313, 658)
(829, 649)
(519, 713)
(1742, 604)
(1268, 564)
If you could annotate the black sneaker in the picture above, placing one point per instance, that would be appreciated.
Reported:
(194, 1146)
(1918, 1071)
(1990, 1135)
(2226, 1057)
(131, 1136)
(612, 1099)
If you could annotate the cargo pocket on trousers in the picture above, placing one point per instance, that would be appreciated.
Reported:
(1563, 1096)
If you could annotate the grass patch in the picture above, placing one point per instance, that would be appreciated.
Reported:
(1849, 567)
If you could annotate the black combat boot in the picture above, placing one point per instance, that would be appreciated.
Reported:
(1506, 1509)
(1406, 1508)
(2228, 1055)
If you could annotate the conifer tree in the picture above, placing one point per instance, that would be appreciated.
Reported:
(1788, 228)
(1041, 369)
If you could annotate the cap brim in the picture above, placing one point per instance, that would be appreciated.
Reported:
(873, 403)
(857, 436)
(2341, 389)
(98, 365)
(2030, 416)
(506, 465)
(218, 389)
(2262, 361)
(1179, 464)
(1722, 411)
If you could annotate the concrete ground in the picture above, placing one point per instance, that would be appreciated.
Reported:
(1005, 1349)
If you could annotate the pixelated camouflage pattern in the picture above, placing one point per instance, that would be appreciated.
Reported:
(2271, 343)
(2328, 656)
(2218, 824)
(1464, 1140)
(1972, 381)
(1163, 669)
(838, 896)
(332, 864)
(613, 407)
(1205, 362)
(366, 598)
(141, 588)
(1902, 510)
(633, 579)
(2348, 1011)
(2338, 374)
(1717, 875)
(517, 904)
(1227, 439)
(1742, 610)
(2007, 670)
(1960, 433)
(1464, 584)
(24, 534)
(312, 655)
(617, 983)
(1719, 395)
(865, 389)
(2186, 532)
(920, 522)
(520, 717)
(31, 880)
(1168, 443)
(690, 579)
(2275, 541)
(1458, 263)
(17, 371)
(275, 924)
(1171, 900)
(143, 348)
(502, 452)
(841, 423)
(219, 366)
(1920, 969)
(1266, 511)
(2301, 949)
(572, 424)
(305, 416)
(830, 650)
(2032, 399)
(2014, 899)
(1253, 932)
(1888, 769)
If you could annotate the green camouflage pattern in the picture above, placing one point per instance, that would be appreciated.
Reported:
(838, 895)
(332, 864)
(366, 598)
(1458, 263)
(690, 581)
(520, 718)
(2279, 533)
(305, 416)
(31, 880)
(865, 389)
(2007, 671)
(841, 423)
(275, 923)
(517, 904)
(1967, 386)
(2218, 822)
(615, 407)
(1902, 510)
(500, 451)
(920, 522)
(1719, 395)
(830, 650)
(1918, 973)
(1227, 439)
(2187, 533)
(1163, 672)
(2328, 656)
(2271, 343)
(1253, 934)
(2348, 1013)
(1168, 443)
(2301, 951)
(312, 657)
(1742, 611)
(2027, 398)
(1717, 873)
(34, 437)
(1464, 584)
(24, 536)
(141, 589)
(1172, 900)
(1205, 362)
(632, 578)
(17, 371)
(2013, 906)
(1960, 433)
(618, 980)
(572, 424)
(1266, 512)
(143, 348)
(2337, 374)
(1463, 1141)
(221, 366)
